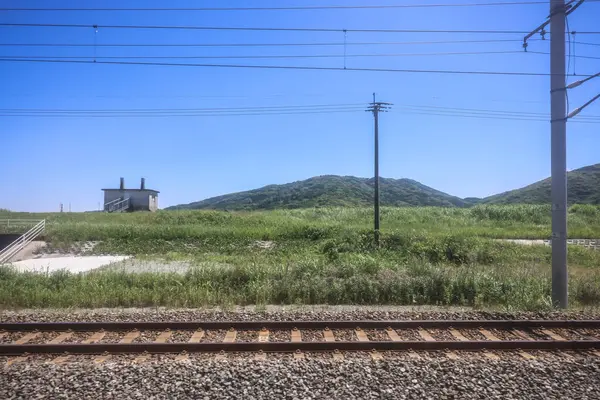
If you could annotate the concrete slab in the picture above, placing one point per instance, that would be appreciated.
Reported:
(71, 264)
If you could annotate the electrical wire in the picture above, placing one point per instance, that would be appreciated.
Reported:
(272, 56)
(288, 110)
(225, 28)
(179, 115)
(229, 28)
(326, 7)
(212, 109)
(506, 118)
(475, 111)
(585, 43)
(494, 117)
(286, 67)
(257, 44)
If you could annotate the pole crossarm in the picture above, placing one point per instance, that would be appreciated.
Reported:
(569, 8)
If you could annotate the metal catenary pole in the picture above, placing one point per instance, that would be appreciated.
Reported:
(376, 184)
(558, 153)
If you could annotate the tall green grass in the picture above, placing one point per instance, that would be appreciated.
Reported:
(427, 255)
(519, 221)
(305, 282)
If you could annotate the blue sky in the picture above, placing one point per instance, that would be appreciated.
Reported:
(49, 160)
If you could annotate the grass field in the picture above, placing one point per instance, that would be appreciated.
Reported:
(439, 256)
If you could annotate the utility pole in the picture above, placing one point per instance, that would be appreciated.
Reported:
(558, 127)
(377, 107)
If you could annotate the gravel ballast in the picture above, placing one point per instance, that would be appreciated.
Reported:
(277, 313)
(307, 379)
(318, 376)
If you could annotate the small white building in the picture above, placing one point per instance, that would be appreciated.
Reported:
(121, 199)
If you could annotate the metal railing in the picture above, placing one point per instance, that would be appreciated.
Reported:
(118, 205)
(18, 223)
(19, 244)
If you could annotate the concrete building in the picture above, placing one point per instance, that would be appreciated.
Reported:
(122, 199)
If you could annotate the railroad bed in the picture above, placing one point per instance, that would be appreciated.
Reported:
(378, 338)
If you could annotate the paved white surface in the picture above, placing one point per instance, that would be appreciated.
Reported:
(72, 264)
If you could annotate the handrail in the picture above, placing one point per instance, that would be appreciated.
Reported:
(117, 205)
(21, 242)
(113, 201)
(8, 222)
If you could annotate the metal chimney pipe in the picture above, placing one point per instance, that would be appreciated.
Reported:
(122, 185)
(143, 184)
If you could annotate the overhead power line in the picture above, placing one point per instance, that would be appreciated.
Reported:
(163, 115)
(285, 110)
(287, 67)
(324, 7)
(277, 56)
(269, 29)
(263, 44)
(477, 111)
(283, 56)
(230, 28)
(212, 109)
(494, 117)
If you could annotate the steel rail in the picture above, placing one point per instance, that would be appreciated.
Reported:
(282, 347)
(288, 325)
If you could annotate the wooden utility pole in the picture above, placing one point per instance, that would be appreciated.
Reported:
(377, 107)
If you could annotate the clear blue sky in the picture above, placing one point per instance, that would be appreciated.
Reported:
(46, 161)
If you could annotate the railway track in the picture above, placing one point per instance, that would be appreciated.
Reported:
(298, 337)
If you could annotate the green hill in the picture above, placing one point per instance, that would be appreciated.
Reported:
(329, 190)
(583, 186)
(332, 190)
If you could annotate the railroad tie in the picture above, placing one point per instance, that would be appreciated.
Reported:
(329, 337)
(162, 338)
(229, 338)
(24, 339)
(558, 338)
(297, 338)
(426, 336)
(263, 337)
(552, 335)
(27, 338)
(362, 337)
(458, 336)
(490, 336)
(524, 336)
(337, 355)
(196, 338)
(59, 339)
(129, 338)
(394, 337)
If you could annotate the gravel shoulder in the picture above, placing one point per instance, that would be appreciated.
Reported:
(357, 378)
(279, 313)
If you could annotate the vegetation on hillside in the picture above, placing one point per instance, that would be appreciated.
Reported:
(428, 255)
(329, 191)
(349, 191)
(583, 187)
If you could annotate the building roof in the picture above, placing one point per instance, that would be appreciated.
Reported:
(134, 190)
